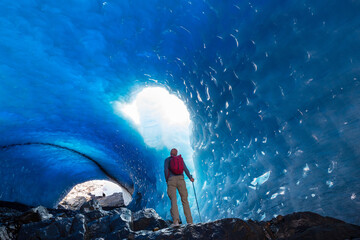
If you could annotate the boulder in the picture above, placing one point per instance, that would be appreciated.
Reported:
(58, 228)
(4, 234)
(35, 215)
(98, 228)
(91, 205)
(125, 214)
(73, 203)
(147, 219)
(113, 201)
(308, 225)
(39, 230)
(93, 215)
(62, 212)
(116, 223)
(78, 227)
(124, 233)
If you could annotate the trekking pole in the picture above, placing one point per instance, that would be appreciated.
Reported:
(196, 201)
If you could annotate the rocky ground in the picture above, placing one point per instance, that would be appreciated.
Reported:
(115, 200)
(92, 222)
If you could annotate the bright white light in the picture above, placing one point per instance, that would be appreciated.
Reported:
(161, 118)
(172, 109)
(130, 111)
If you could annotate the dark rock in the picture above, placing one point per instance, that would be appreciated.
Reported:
(91, 205)
(230, 228)
(9, 212)
(294, 226)
(125, 214)
(98, 228)
(15, 206)
(93, 215)
(35, 215)
(4, 234)
(124, 233)
(61, 207)
(9, 224)
(61, 226)
(147, 219)
(116, 223)
(120, 223)
(32, 230)
(308, 225)
(63, 212)
(48, 229)
(279, 218)
(78, 227)
(113, 201)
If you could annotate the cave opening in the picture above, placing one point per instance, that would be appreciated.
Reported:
(107, 193)
(161, 118)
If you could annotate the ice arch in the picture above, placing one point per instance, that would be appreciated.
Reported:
(272, 89)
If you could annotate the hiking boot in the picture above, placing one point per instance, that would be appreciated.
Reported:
(175, 224)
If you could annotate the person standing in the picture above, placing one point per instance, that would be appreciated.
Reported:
(174, 167)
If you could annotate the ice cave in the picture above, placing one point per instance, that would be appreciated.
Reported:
(271, 89)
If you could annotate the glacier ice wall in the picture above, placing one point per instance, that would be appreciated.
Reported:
(272, 89)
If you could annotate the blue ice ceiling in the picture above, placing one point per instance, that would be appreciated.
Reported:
(272, 88)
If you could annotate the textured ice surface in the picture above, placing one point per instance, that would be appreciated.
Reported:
(271, 86)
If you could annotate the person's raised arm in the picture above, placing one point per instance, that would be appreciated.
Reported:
(188, 173)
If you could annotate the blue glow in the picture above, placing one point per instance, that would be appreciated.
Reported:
(271, 86)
